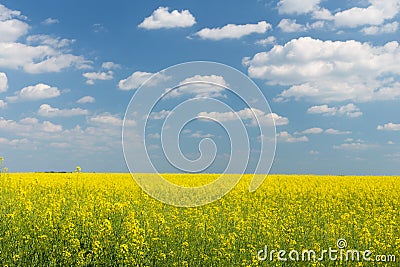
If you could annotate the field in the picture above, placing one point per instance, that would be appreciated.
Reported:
(83, 219)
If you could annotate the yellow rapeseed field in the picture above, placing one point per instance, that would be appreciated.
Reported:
(85, 219)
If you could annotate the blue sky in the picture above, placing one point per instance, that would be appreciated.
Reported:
(329, 70)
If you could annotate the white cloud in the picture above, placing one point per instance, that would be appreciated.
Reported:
(57, 63)
(353, 146)
(34, 92)
(46, 110)
(3, 104)
(313, 152)
(11, 30)
(48, 56)
(316, 25)
(162, 18)
(3, 82)
(314, 130)
(6, 14)
(233, 31)
(110, 65)
(11, 25)
(13, 142)
(326, 71)
(198, 86)
(50, 21)
(160, 115)
(266, 41)
(317, 130)
(51, 127)
(375, 14)
(387, 28)
(86, 99)
(323, 109)
(154, 136)
(278, 120)
(290, 25)
(38, 59)
(43, 39)
(245, 114)
(389, 127)
(390, 142)
(297, 7)
(288, 138)
(102, 76)
(322, 14)
(199, 134)
(110, 120)
(349, 110)
(137, 78)
(98, 137)
(28, 126)
(336, 132)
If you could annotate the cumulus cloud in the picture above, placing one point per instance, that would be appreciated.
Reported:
(86, 99)
(266, 41)
(50, 21)
(386, 28)
(159, 115)
(13, 142)
(46, 110)
(48, 56)
(374, 14)
(288, 138)
(102, 76)
(314, 130)
(136, 79)
(162, 18)
(34, 92)
(197, 85)
(6, 14)
(38, 59)
(349, 110)
(353, 146)
(43, 39)
(297, 7)
(317, 130)
(199, 134)
(110, 120)
(3, 104)
(248, 114)
(96, 137)
(291, 25)
(3, 82)
(327, 71)
(11, 30)
(389, 127)
(11, 25)
(110, 65)
(28, 126)
(233, 31)
(336, 132)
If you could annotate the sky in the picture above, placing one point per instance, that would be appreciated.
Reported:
(329, 71)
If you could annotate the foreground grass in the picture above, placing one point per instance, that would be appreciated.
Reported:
(106, 220)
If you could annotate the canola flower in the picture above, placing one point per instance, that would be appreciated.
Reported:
(107, 220)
